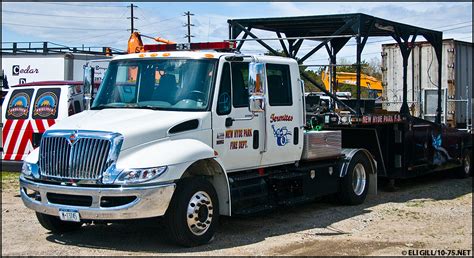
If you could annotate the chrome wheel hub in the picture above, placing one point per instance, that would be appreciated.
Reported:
(199, 213)
(358, 179)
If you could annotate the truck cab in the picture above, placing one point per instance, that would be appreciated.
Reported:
(189, 136)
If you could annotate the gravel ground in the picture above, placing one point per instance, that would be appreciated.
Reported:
(432, 213)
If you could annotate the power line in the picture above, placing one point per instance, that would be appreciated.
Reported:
(160, 21)
(51, 27)
(66, 16)
(189, 36)
(86, 5)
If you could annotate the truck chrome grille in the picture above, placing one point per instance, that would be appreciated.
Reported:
(84, 159)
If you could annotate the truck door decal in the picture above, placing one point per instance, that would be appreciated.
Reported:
(19, 104)
(46, 104)
(282, 135)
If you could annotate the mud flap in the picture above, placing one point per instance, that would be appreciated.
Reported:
(373, 184)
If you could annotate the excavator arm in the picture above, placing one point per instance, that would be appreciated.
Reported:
(135, 43)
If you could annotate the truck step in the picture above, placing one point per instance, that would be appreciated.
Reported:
(287, 175)
(243, 177)
(294, 201)
(253, 210)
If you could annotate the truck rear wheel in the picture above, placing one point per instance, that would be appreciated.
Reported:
(193, 215)
(355, 185)
(466, 169)
(55, 225)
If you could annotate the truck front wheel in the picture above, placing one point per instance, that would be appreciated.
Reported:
(193, 214)
(355, 185)
(55, 225)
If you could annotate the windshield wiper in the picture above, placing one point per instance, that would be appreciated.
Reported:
(148, 107)
(100, 107)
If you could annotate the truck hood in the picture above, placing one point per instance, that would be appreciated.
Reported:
(137, 126)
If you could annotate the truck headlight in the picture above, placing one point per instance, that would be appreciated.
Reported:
(139, 175)
(26, 169)
(30, 170)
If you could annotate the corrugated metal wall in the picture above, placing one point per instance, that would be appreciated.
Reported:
(423, 78)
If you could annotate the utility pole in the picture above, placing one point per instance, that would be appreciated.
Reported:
(132, 18)
(189, 36)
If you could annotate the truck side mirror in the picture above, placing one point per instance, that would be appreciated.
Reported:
(256, 87)
(88, 82)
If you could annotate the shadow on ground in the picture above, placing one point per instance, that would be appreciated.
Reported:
(149, 235)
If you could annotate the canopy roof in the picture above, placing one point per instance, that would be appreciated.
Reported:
(326, 25)
(333, 32)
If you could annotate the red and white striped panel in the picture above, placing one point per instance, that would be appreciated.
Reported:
(18, 136)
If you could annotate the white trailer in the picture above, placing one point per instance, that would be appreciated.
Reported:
(423, 78)
(26, 68)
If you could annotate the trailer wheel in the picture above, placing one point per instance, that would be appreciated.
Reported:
(55, 225)
(355, 185)
(193, 215)
(466, 169)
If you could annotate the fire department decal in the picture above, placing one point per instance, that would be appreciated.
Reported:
(238, 133)
(46, 104)
(282, 135)
(19, 104)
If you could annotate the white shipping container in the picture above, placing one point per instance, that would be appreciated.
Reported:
(422, 95)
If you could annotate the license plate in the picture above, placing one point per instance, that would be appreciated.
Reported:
(69, 215)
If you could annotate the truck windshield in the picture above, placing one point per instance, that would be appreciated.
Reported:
(164, 84)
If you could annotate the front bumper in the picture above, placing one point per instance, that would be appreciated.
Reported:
(150, 201)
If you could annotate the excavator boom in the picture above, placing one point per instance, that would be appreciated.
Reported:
(135, 43)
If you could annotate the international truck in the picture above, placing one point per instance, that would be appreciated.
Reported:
(190, 136)
(175, 134)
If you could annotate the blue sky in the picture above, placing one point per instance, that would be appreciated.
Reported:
(108, 22)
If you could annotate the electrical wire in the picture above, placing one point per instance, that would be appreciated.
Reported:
(65, 28)
(86, 5)
(66, 16)
(429, 68)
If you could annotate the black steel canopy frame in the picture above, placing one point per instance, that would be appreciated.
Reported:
(333, 32)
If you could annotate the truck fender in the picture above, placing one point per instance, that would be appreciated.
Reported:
(184, 158)
(349, 154)
(213, 170)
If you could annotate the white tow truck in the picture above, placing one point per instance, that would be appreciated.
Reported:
(190, 136)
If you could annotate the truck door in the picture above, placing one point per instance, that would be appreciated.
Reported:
(237, 137)
(283, 115)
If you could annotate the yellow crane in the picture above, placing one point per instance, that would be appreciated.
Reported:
(366, 81)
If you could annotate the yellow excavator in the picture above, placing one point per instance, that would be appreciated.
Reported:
(135, 43)
(373, 85)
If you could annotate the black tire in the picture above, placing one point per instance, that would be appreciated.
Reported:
(56, 225)
(176, 217)
(347, 195)
(466, 169)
